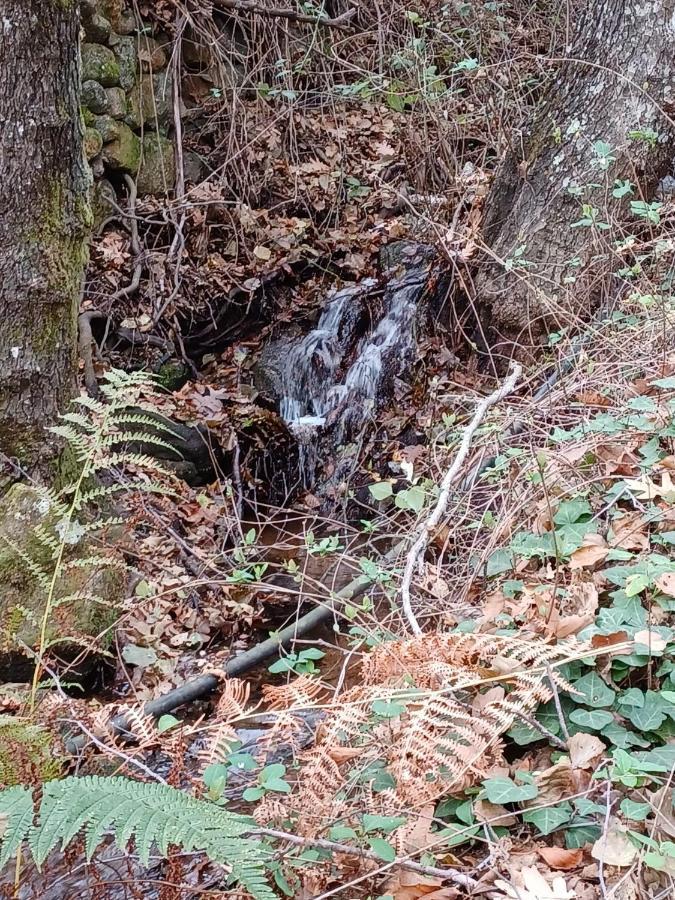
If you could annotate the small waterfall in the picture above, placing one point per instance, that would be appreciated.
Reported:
(330, 380)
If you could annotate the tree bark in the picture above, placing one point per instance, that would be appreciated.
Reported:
(44, 220)
(606, 115)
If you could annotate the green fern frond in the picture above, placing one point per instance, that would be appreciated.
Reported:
(91, 404)
(153, 814)
(33, 567)
(141, 460)
(146, 420)
(143, 437)
(75, 418)
(16, 813)
(47, 538)
(101, 492)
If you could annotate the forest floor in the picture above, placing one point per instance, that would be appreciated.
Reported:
(522, 747)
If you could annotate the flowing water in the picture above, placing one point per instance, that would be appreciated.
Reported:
(333, 378)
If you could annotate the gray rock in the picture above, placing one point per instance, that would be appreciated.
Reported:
(124, 153)
(99, 64)
(108, 128)
(93, 96)
(151, 54)
(117, 102)
(101, 191)
(127, 61)
(150, 102)
(93, 143)
(157, 173)
(97, 29)
(22, 589)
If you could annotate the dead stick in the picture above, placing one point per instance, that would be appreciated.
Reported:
(341, 22)
(453, 875)
(431, 523)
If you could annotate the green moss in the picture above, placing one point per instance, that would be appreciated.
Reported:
(26, 753)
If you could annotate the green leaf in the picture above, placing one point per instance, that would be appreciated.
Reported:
(165, 722)
(594, 691)
(311, 653)
(215, 775)
(631, 697)
(388, 709)
(138, 656)
(381, 490)
(647, 718)
(341, 833)
(667, 384)
(498, 562)
(278, 785)
(579, 835)
(633, 810)
(276, 770)
(411, 498)
(281, 665)
(383, 849)
(548, 819)
(595, 719)
(503, 790)
(382, 823)
(571, 511)
(252, 794)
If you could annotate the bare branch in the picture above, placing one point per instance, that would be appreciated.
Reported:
(249, 6)
(428, 527)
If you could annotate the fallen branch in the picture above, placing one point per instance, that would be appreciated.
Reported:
(248, 6)
(457, 877)
(427, 528)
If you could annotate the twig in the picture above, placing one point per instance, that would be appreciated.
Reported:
(132, 287)
(86, 340)
(340, 22)
(550, 737)
(558, 707)
(465, 881)
(431, 523)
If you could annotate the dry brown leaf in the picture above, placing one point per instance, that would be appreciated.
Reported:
(666, 583)
(585, 750)
(630, 532)
(593, 549)
(600, 641)
(493, 813)
(568, 625)
(614, 848)
(561, 858)
(530, 884)
(406, 885)
(651, 639)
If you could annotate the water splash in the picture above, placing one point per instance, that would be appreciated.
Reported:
(331, 380)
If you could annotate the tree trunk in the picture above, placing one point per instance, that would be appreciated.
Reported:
(44, 219)
(606, 115)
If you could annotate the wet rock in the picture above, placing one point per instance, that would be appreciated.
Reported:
(108, 128)
(157, 173)
(93, 143)
(149, 102)
(127, 61)
(151, 54)
(26, 571)
(99, 64)
(124, 153)
(117, 102)
(193, 166)
(93, 96)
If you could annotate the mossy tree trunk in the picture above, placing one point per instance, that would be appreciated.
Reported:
(606, 114)
(44, 220)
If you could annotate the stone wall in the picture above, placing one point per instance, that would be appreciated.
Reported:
(126, 99)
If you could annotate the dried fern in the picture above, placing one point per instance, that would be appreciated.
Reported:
(432, 741)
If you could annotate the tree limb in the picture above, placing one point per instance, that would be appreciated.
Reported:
(249, 6)
(429, 526)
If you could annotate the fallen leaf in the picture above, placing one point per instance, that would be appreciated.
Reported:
(561, 858)
(614, 848)
(585, 750)
(593, 549)
(630, 532)
(493, 813)
(650, 639)
(666, 583)
(568, 625)
(600, 641)
(536, 887)
(261, 252)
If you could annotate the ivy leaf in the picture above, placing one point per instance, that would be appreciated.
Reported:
(594, 692)
(381, 490)
(388, 709)
(382, 823)
(548, 819)
(165, 722)
(595, 719)
(341, 833)
(503, 790)
(633, 810)
(411, 498)
(383, 849)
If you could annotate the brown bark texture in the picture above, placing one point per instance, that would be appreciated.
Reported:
(613, 89)
(44, 219)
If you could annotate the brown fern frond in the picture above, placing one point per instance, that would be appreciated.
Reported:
(434, 739)
(233, 702)
(303, 691)
(218, 746)
(271, 811)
